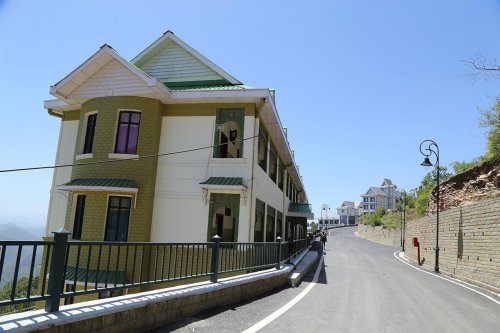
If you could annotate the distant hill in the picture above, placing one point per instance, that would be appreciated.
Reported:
(13, 232)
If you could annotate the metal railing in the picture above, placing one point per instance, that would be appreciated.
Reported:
(66, 269)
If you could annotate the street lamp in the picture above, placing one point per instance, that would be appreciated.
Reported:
(403, 219)
(325, 207)
(427, 163)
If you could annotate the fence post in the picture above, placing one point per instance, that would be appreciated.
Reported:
(278, 261)
(215, 258)
(56, 273)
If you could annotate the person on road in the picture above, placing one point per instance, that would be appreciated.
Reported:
(323, 239)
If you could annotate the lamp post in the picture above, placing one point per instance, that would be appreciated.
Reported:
(427, 163)
(325, 207)
(403, 219)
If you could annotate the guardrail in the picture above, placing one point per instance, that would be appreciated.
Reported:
(65, 269)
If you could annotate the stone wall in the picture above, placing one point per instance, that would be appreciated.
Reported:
(469, 241)
(380, 235)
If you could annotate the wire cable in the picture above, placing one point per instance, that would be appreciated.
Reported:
(120, 160)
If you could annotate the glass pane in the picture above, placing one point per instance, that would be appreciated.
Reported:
(121, 140)
(114, 202)
(132, 139)
(125, 202)
(112, 224)
(136, 118)
(123, 225)
(124, 117)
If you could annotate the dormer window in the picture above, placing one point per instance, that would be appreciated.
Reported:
(128, 132)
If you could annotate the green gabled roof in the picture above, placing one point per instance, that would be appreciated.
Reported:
(214, 87)
(100, 184)
(205, 85)
(224, 181)
(93, 276)
(299, 207)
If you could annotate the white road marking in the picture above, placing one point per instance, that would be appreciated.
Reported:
(266, 321)
(461, 284)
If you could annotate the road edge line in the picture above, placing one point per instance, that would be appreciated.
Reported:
(461, 284)
(266, 321)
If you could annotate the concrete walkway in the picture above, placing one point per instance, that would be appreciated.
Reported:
(304, 263)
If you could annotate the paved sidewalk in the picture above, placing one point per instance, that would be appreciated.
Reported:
(305, 263)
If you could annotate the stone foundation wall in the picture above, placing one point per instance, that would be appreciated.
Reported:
(380, 235)
(469, 241)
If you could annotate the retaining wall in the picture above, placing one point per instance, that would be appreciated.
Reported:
(469, 241)
(145, 311)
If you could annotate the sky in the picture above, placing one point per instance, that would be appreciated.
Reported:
(359, 84)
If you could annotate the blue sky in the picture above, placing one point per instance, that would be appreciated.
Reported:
(359, 83)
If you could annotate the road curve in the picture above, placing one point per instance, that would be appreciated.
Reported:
(361, 287)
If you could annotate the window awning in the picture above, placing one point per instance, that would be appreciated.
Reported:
(93, 276)
(300, 210)
(224, 182)
(100, 184)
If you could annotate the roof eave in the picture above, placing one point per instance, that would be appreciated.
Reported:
(74, 188)
(102, 57)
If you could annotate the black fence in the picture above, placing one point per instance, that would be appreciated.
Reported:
(49, 271)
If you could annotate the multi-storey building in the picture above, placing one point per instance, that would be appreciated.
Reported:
(170, 147)
(384, 196)
(349, 212)
(329, 222)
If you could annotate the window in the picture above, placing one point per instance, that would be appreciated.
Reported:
(258, 234)
(89, 134)
(118, 219)
(271, 214)
(229, 133)
(281, 174)
(372, 199)
(128, 132)
(273, 163)
(262, 150)
(365, 207)
(372, 206)
(365, 199)
(78, 222)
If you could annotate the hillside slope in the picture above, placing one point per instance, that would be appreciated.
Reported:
(477, 183)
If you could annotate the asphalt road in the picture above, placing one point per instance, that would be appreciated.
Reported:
(361, 287)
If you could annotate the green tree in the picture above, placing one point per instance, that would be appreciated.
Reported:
(313, 226)
(430, 177)
(490, 118)
(428, 183)
(374, 218)
(422, 199)
(459, 167)
(21, 292)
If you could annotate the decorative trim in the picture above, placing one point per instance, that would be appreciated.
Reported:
(124, 156)
(84, 156)
(75, 188)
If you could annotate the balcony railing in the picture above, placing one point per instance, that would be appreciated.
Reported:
(49, 271)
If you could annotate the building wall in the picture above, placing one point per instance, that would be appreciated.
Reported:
(180, 209)
(142, 171)
(65, 155)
